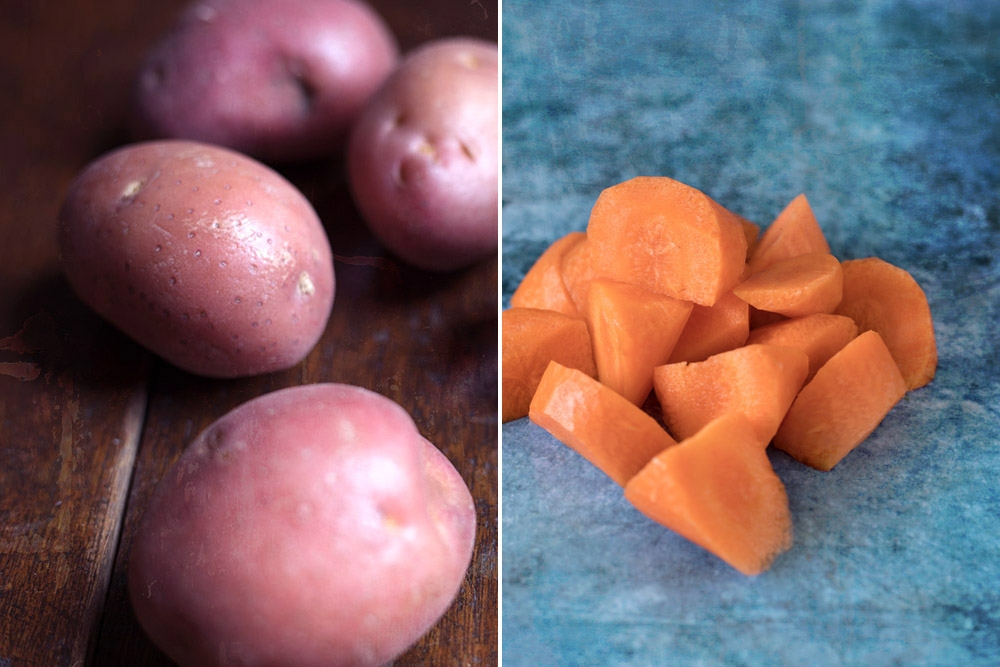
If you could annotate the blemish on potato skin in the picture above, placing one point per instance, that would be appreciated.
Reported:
(427, 148)
(467, 151)
(306, 286)
(131, 190)
(390, 522)
(469, 60)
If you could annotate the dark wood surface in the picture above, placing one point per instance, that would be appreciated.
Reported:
(89, 421)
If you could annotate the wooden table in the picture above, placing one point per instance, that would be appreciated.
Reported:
(89, 421)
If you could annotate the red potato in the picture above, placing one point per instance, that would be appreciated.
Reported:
(208, 258)
(274, 79)
(310, 526)
(423, 158)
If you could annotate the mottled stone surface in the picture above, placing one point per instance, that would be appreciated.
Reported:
(887, 115)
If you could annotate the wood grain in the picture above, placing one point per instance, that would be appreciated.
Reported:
(89, 422)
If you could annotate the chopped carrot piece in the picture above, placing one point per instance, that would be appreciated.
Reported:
(533, 337)
(847, 399)
(543, 286)
(713, 329)
(751, 230)
(632, 331)
(886, 298)
(820, 336)
(717, 489)
(596, 422)
(758, 380)
(797, 286)
(667, 237)
(794, 232)
(578, 271)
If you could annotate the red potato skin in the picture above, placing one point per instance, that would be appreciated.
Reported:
(281, 81)
(423, 156)
(206, 257)
(311, 526)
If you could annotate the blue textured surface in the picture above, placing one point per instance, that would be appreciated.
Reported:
(887, 115)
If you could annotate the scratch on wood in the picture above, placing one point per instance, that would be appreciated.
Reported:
(486, 14)
(66, 441)
(365, 260)
(21, 370)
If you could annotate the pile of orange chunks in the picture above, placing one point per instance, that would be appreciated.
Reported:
(672, 342)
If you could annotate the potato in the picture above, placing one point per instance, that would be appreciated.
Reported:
(423, 157)
(274, 79)
(310, 526)
(208, 258)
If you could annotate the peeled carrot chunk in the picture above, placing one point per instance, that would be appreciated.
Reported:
(578, 271)
(543, 286)
(759, 381)
(596, 422)
(751, 230)
(667, 237)
(717, 489)
(794, 232)
(632, 331)
(533, 337)
(847, 399)
(713, 329)
(886, 298)
(820, 336)
(797, 286)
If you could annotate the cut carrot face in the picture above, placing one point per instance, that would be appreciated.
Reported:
(797, 286)
(885, 298)
(597, 422)
(847, 399)
(713, 329)
(794, 232)
(542, 286)
(718, 490)
(577, 272)
(759, 381)
(667, 237)
(531, 339)
(751, 230)
(820, 336)
(632, 331)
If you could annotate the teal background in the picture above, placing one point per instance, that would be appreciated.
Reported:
(886, 114)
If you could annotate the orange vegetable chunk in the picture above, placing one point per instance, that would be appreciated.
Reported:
(751, 230)
(847, 399)
(632, 331)
(885, 298)
(794, 232)
(719, 490)
(759, 381)
(616, 436)
(820, 336)
(543, 286)
(533, 337)
(667, 237)
(578, 271)
(713, 329)
(797, 286)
